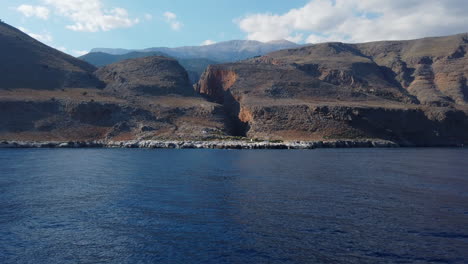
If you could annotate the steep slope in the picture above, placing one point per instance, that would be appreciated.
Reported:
(27, 63)
(412, 92)
(228, 51)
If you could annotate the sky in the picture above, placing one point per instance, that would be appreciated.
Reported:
(77, 26)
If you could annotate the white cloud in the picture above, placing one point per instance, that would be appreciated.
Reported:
(170, 16)
(359, 21)
(79, 53)
(91, 16)
(34, 11)
(208, 42)
(45, 37)
(172, 20)
(61, 48)
(148, 17)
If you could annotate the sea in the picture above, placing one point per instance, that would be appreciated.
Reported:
(402, 205)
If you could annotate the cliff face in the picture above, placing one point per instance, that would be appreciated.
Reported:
(216, 82)
(434, 69)
(412, 92)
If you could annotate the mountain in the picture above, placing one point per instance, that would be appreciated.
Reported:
(112, 51)
(48, 95)
(411, 92)
(100, 59)
(155, 75)
(414, 93)
(165, 104)
(194, 59)
(195, 66)
(228, 51)
(27, 63)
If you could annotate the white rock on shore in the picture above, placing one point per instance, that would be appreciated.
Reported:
(222, 144)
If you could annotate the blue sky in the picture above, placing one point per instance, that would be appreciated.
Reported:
(202, 20)
(76, 26)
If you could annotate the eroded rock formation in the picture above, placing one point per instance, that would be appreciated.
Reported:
(408, 92)
(405, 91)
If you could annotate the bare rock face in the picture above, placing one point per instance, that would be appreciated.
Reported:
(154, 75)
(432, 69)
(410, 92)
(413, 92)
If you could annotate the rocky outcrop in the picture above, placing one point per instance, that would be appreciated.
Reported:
(432, 69)
(154, 76)
(216, 83)
(410, 92)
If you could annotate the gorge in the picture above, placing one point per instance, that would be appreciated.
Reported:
(409, 93)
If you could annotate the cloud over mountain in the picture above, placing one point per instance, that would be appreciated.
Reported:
(45, 37)
(359, 21)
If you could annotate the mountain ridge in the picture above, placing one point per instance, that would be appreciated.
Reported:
(403, 91)
(222, 52)
(411, 93)
(45, 68)
(194, 59)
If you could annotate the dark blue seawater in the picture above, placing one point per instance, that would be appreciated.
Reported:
(210, 206)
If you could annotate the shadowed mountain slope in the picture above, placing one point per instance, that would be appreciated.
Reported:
(27, 63)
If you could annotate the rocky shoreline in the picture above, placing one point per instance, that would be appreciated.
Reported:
(220, 144)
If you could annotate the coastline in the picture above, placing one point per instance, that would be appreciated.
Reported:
(215, 144)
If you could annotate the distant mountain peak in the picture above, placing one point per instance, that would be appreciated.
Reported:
(281, 41)
(227, 51)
